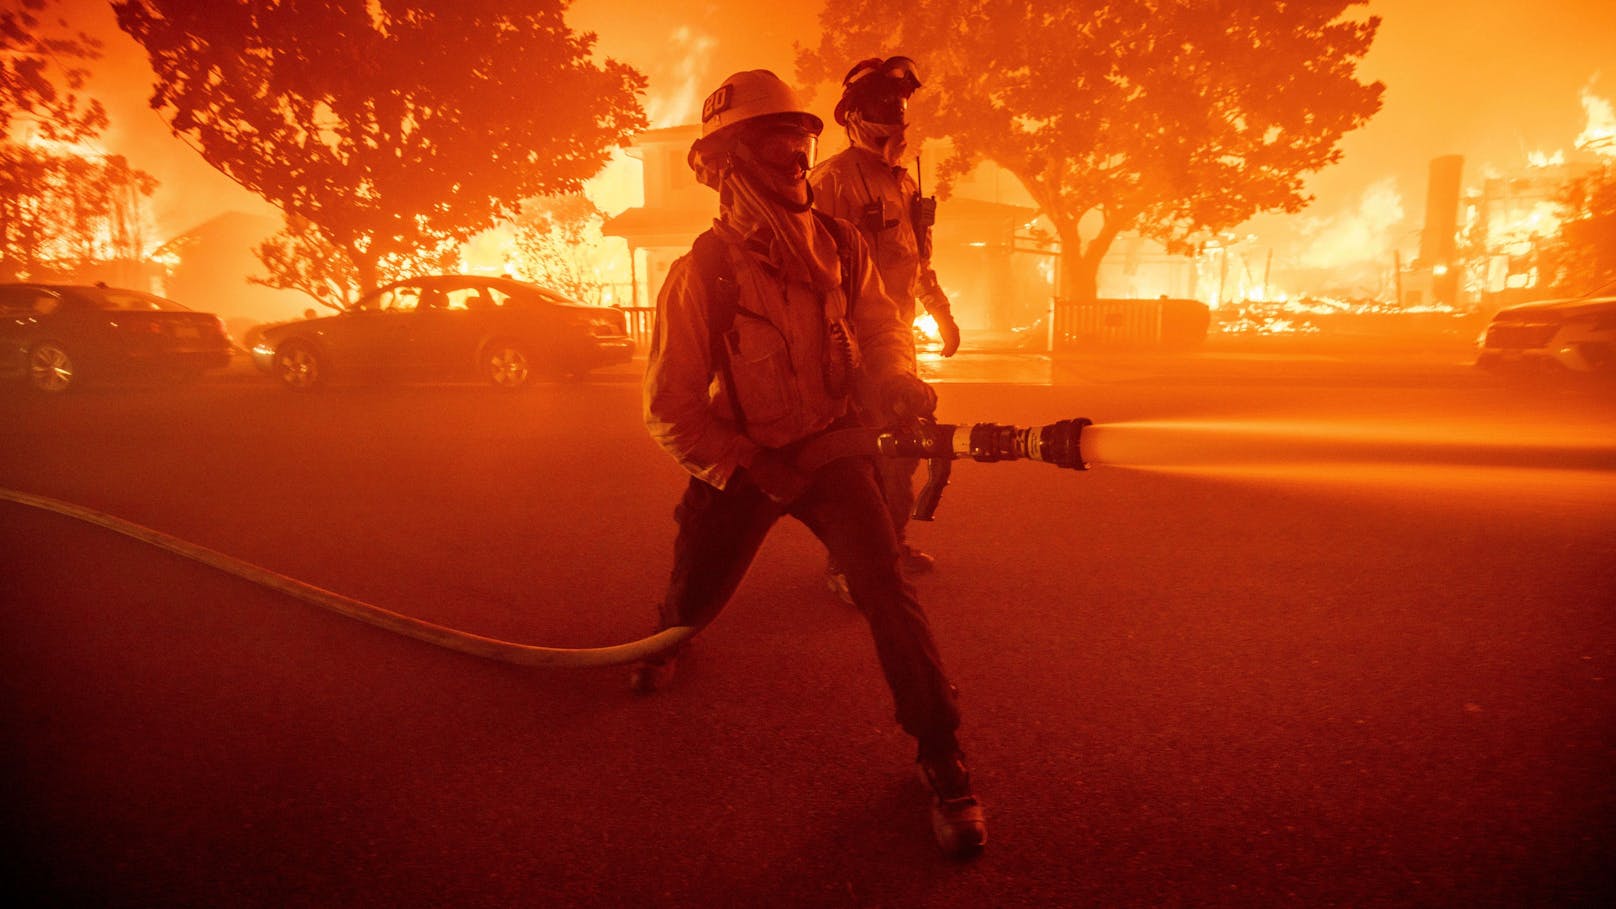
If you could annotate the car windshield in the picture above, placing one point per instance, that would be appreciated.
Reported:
(131, 301)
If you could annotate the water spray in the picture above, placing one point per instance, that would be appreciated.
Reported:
(1255, 444)
(1072, 444)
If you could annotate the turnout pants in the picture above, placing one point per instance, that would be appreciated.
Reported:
(720, 532)
(898, 486)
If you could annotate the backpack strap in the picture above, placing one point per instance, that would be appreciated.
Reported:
(723, 300)
(844, 252)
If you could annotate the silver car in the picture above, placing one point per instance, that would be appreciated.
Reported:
(1568, 335)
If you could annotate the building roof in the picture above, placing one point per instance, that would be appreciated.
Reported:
(658, 226)
(959, 208)
(667, 135)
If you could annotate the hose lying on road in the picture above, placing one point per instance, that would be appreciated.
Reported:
(464, 642)
(1057, 443)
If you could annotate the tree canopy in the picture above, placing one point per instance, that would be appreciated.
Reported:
(1169, 117)
(558, 241)
(42, 72)
(63, 205)
(386, 130)
(1582, 258)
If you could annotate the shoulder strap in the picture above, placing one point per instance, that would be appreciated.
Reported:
(723, 300)
(844, 252)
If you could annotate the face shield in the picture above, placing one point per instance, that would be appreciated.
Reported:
(785, 150)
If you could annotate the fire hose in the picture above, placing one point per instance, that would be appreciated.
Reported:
(939, 444)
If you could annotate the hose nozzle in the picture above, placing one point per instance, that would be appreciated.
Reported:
(1059, 443)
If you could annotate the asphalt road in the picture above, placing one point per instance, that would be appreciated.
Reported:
(1322, 632)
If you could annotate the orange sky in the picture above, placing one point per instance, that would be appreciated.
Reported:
(1490, 79)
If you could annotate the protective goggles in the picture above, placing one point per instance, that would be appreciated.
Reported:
(901, 70)
(781, 146)
(879, 90)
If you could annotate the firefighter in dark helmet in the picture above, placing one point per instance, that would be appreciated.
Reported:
(868, 185)
(766, 334)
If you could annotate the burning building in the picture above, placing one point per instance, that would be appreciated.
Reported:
(1433, 277)
(1507, 220)
(993, 256)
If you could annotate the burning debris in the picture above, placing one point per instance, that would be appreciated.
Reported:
(1313, 315)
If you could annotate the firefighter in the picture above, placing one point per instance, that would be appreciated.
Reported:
(867, 184)
(765, 334)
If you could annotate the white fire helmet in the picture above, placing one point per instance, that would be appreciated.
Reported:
(744, 97)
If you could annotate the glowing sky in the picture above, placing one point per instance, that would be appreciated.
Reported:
(1492, 80)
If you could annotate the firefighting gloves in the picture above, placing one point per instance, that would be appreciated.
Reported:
(780, 481)
(937, 306)
(947, 328)
(906, 397)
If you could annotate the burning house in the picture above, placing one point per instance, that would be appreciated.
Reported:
(1508, 218)
(997, 267)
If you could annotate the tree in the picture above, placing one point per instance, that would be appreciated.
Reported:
(1582, 258)
(299, 258)
(558, 242)
(1174, 118)
(386, 129)
(62, 211)
(42, 73)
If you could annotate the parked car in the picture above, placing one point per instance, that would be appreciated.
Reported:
(1571, 335)
(502, 331)
(55, 337)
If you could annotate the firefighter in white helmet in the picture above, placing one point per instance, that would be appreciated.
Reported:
(867, 184)
(765, 334)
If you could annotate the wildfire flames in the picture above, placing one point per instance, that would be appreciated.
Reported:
(1358, 252)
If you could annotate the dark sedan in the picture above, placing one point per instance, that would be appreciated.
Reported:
(499, 330)
(55, 337)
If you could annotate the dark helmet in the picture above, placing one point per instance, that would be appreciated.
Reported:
(878, 89)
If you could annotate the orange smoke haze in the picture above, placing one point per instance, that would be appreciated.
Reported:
(1491, 80)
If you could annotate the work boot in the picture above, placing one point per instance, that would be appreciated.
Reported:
(957, 820)
(652, 674)
(914, 561)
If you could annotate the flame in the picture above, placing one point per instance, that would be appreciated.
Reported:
(1366, 234)
(1599, 135)
(927, 337)
(693, 50)
(1545, 159)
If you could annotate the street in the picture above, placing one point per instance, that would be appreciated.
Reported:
(1240, 675)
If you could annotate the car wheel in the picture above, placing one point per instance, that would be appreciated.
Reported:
(507, 365)
(50, 368)
(299, 366)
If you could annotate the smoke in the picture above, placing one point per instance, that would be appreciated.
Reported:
(1364, 234)
(680, 102)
